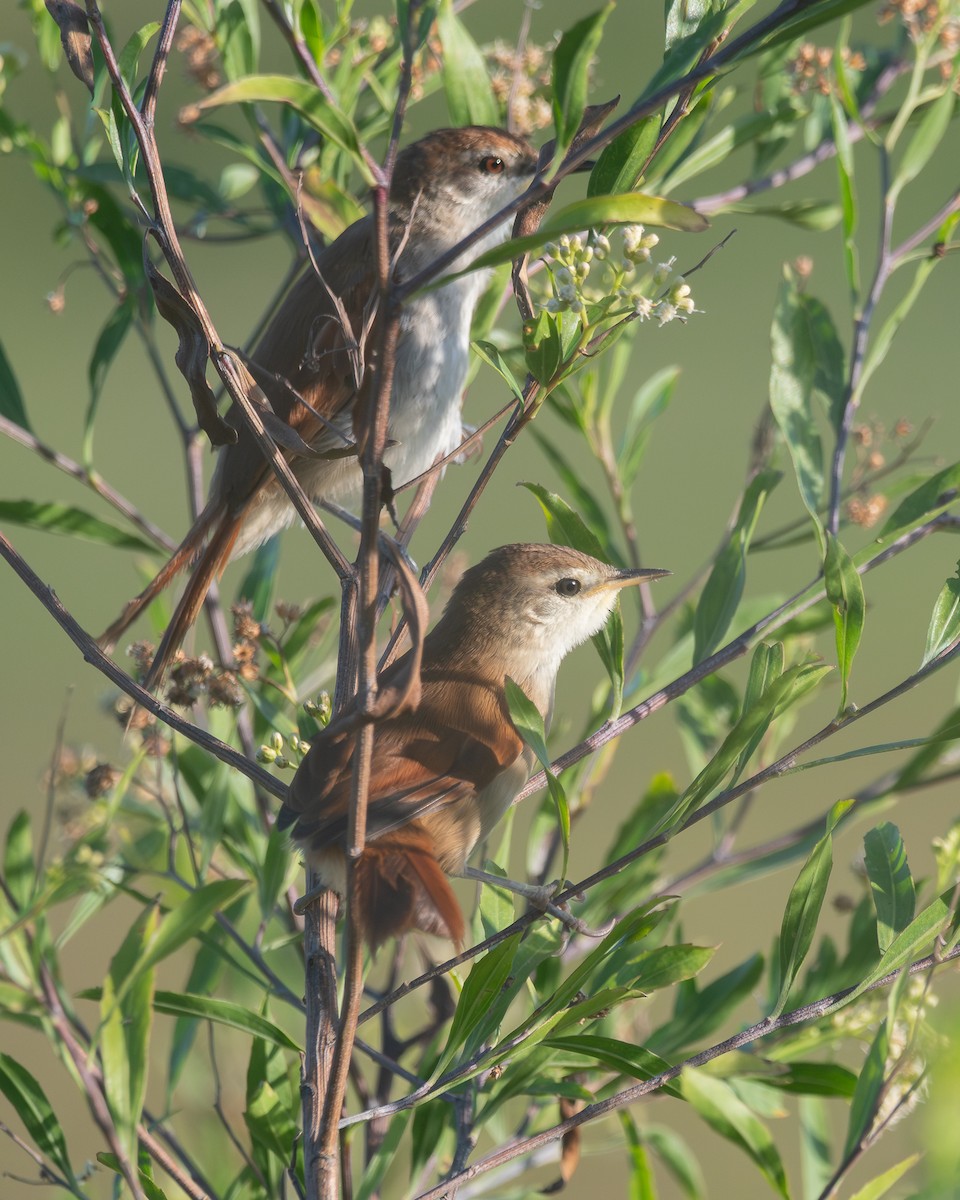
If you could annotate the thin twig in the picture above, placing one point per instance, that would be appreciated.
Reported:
(95, 656)
(809, 1012)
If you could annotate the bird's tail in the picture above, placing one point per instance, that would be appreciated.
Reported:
(211, 552)
(209, 567)
(401, 886)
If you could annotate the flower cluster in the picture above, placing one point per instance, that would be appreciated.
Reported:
(868, 439)
(811, 69)
(272, 752)
(522, 79)
(627, 284)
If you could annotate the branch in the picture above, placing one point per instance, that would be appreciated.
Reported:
(734, 649)
(809, 1012)
(94, 655)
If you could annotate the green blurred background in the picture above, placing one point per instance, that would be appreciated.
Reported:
(690, 484)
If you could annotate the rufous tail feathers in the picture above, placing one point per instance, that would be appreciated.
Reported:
(401, 886)
(210, 556)
(209, 567)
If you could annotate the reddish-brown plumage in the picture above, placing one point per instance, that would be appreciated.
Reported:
(318, 350)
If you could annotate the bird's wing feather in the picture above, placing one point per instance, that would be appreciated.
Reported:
(419, 764)
(309, 351)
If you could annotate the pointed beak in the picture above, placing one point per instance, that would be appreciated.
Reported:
(622, 579)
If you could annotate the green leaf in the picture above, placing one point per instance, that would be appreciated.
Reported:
(884, 1182)
(930, 498)
(486, 978)
(630, 208)
(699, 1013)
(845, 593)
(908, 944)
(666, 965)
(19, 868)
(866, 1098)
(74, 522)
(126, 1017)
(782, 693)
(724, 588)
(801, 915)
(188, 919)
(816, 215)
(543, 346)
(928, 135)
(725, 1112)
(891, 884)
(32, 1106)
(944, 628)
(11, 398)
(626, 1058)
(305, 99)
(621, 163)
(792, 379)
(528, 722)
(375, 1172)
(259, 583)
(466, 81)
(222, 1012)
(104, 352)
(129, 57)
(151, 1189)
(571, 67)
(493, 358)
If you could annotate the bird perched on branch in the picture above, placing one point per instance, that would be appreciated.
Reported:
(444, 774)
(316, 353)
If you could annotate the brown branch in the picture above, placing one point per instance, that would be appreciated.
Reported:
(678, 687)
(94, 655)
(809, 1012)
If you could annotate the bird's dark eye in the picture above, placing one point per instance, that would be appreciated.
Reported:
(568, 587)
(491, 165)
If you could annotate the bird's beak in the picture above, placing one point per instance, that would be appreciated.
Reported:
(624, 579)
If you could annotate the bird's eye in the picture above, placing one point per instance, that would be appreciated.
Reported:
(491, 165)
(568, 587)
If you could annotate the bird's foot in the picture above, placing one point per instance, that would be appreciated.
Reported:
(541, 896)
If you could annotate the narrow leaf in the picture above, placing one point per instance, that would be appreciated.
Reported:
(845, 593)
(222, 1012)
(801, 915)
(621, 163)
(302, 96)
(883, 1183)
(891, 884)
(791, 389)
(631, 208)
(571, 66)
(863, 1107)
(466, 81)
(11, 399)
(31, 1104)
(944, 628)
(724, 588)
(929, 134)
(74, 522)
(725, 1112)
(931, 497)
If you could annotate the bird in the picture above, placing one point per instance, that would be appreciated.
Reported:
(311, 361)
(444, 774)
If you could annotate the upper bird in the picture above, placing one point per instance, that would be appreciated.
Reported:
(310, 361)
(444, 774)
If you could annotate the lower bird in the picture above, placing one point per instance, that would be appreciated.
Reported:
(444, 774)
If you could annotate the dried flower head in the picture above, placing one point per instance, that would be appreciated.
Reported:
(202, 57)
